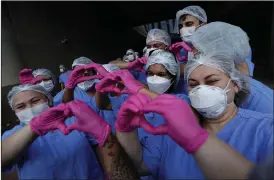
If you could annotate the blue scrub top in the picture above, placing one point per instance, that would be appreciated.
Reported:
(260, 98)
(64, 77)
(81, 95)
(250, 64)
(58, 156)
(250, 133)
(140, 76)
(153, 118)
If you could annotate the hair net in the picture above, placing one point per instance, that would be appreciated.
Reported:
(220, 36)
(44, 72)
(195, 11)
(223, 62)
(62, 66)
(166, 59)
(130, 51)
(28, 87)
(111, 67)
(81, 61)
(158, 35)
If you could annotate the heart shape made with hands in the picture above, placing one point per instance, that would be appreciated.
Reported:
(110, 83)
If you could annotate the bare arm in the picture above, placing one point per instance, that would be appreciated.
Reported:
(62, 86)
(121, 64)
(68, 95)
(218, 160)
(131, 144)
(15, 144)
(102, 101)
(182, 67)
(115, 162)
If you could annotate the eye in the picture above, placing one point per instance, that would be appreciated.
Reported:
(149, 73)
(162, 75)
(35, 101)
(20, 107)
(212, 82)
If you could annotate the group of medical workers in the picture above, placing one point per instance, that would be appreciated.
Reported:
(189, 110)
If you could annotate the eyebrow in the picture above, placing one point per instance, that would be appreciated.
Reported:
(209, 76)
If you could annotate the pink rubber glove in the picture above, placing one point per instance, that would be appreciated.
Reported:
(76, 77)
(99, 68)
(129, 116)
(138, 64)
(109, 83)
(50, 120)
(181, 124)
(89, 122)
(25, 76)
(176, 47)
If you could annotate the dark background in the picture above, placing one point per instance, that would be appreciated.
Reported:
(103, 31)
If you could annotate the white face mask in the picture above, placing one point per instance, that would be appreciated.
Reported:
(148, 51)
(48, 85)
(130, 58)
(26, 115)
(61, 70)
(86, 85)
(209, 101)
(186, 33)
(158, 84)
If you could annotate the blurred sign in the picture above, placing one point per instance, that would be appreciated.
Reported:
(170, 26)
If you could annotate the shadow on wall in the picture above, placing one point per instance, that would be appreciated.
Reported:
(9, 119)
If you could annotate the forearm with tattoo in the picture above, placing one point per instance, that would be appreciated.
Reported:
(115, 162)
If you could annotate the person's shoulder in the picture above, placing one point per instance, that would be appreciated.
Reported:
(255, 117)
(182, 97)
(11, 131)
(257, 84)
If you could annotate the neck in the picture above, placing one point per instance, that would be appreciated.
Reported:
(215, 125)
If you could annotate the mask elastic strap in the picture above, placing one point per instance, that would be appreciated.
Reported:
(225, 89)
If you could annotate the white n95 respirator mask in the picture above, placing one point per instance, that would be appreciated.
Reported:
(86, 85)
(48, 85)
(158, 84)
(130, 58)
(209, 101)
(26, 115)
(186, 33)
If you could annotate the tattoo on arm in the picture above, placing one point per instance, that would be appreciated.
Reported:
(116, 163)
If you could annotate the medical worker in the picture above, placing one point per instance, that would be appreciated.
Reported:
(163, 73)
(226, 144)
(130, 57)
(233, 40)
(37, 149)
(64, 75)
(43, 77)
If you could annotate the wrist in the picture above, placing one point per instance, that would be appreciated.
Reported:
(197, 142)
(104, 135)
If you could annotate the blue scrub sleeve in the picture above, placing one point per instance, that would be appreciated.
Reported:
(117, 101)
(4, 136)
(61, 80)
(183, 97)
(58, 98)
(152, 152)
(267, 137)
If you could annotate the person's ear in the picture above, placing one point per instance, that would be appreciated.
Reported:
(235, 87)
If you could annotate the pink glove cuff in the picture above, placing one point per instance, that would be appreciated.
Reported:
(34, 128)
(102, 138)
(197, 142)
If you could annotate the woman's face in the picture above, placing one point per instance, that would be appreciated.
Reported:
(27, 99)
(157, 45)
(204, 75)
(158, 70)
